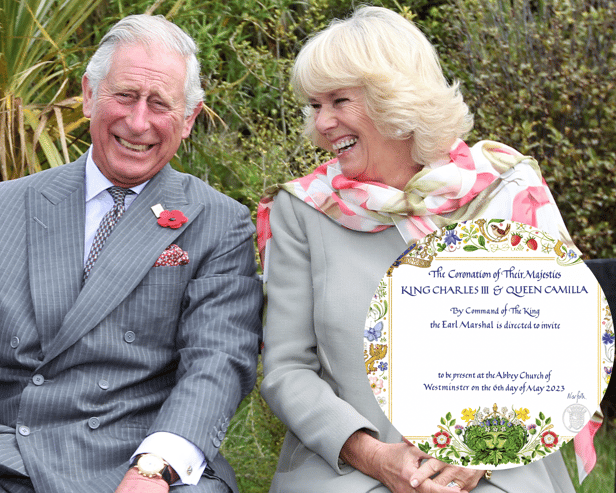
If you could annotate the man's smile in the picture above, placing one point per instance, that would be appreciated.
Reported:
(133, 147)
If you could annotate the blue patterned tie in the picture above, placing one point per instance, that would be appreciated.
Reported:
(106, 226)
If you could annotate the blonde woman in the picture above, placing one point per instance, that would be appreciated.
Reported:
(378, 100)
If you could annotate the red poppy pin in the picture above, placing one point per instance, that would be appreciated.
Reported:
(172, 219)
(169, 219)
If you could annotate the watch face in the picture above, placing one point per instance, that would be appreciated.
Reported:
(150, 464)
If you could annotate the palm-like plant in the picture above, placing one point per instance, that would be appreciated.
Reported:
(37, 118)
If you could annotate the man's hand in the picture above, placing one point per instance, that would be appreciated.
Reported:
(134, 482)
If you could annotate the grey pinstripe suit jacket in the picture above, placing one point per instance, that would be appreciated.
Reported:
(86, 374)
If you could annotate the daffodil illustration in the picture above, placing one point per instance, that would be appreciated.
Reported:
(522, 413)
(468, 414)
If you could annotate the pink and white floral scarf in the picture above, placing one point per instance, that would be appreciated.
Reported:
(464, 187)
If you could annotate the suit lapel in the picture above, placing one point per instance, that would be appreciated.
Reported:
(55, 225)
(128, 255)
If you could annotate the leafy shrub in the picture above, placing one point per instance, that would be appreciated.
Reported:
(539, 75)
(39, 121)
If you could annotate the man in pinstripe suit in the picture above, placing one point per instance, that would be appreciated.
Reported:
(125, 381)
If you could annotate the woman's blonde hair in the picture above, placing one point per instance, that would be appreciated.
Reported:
(406, 93)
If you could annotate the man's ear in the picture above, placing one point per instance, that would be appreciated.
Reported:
(190, 120)
(88, 96)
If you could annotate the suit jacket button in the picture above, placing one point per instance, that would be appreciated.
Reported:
(221, 435)
(94, 423)
(103, 384)
(129, 336)
(38, 379)
(14, 342)
(216, 442)
(24, 431)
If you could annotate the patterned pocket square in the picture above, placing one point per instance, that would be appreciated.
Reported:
(172, 257)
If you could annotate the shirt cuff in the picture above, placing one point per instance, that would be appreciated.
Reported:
(186, 459)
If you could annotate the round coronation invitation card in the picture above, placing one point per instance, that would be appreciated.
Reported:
(489, 344)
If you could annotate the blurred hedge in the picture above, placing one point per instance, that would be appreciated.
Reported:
(538, 75)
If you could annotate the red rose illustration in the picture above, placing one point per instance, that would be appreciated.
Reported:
(549, 439)
(172, 219)
(441, 439)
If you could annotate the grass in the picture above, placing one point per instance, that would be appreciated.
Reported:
(253, 443)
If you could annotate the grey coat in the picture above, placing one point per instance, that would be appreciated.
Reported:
(321, 280)
(86, 374)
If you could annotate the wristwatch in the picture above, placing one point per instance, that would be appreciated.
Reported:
(153, 466)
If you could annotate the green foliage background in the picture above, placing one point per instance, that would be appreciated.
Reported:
(539, 75)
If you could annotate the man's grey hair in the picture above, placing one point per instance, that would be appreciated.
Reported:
(147, 29)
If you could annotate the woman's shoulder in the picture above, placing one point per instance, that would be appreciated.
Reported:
(288, 208)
